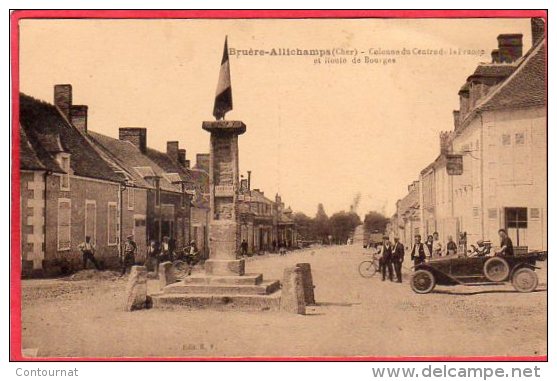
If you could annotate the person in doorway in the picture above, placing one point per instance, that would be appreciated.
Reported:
(419, 251)
(129, 250)
(437, 247)
(244, 248)
(507, 248)
(451, 246)
(398, 258)
(386, 259)
(88, 250)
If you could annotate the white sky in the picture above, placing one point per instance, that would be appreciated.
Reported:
(316, 133)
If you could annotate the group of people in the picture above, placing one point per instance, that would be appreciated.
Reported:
(156, 253)
(280, 246)
(391, 256)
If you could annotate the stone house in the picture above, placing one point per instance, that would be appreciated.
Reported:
(499, 142)
(67, 190)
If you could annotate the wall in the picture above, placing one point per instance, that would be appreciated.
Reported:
(32, 187)
(516, 173)
(134, 219)
(81, 189)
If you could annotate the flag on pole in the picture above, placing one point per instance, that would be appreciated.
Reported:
(223, 97)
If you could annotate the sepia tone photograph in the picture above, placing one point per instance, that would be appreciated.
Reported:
(281, 188)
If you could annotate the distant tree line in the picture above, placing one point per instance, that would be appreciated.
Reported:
(337, 228)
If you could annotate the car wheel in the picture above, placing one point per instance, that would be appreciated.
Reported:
(422, 282)
(496, 269)
(525, 280)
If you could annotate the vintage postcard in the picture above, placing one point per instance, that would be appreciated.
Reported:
(292, 185)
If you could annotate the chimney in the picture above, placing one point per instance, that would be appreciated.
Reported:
(182, 158)
(538, 29)
(202, 161)
(456, 117)
(495, 56)
(173, 151)
(249, 180)
(63, 98)
(78, 117)
(445, 142)
(135, 135)
(510, 47)
(464, 94)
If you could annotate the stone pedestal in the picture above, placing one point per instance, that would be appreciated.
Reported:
(224, 283)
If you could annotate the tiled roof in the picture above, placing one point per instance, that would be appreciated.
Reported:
(167, 164)
(48, 133)
(494, 70)
(136, 164)
(28, 158)
(524, 88)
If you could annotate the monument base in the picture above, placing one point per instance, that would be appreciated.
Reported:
(248, 292)
(225, 267)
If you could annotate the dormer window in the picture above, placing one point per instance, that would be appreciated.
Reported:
(64, 162)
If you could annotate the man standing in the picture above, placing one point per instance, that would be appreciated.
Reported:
(506, 244)
(429, 245)
(244, 247)
(387, 259)
(88, 250)
(129, 251)
(451, 246)
(419, 251)
(398, 258)
(437, 246)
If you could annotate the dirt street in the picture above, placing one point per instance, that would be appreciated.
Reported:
(354, 317)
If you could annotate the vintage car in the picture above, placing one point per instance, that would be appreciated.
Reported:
(478, 270)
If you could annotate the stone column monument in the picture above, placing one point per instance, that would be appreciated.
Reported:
(224, 183)
(224, 282)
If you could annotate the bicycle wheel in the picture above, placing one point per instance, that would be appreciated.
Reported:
(367, 269)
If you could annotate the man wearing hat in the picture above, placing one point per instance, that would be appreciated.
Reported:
(129, 251)
(398, 258)
(387, 259)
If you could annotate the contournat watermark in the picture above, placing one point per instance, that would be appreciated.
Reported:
(40, 372)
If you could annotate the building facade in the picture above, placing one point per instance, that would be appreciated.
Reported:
(491, 172)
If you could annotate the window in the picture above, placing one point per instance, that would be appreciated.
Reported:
(519, 138)
(64, 161)
(516, 223)
(476, 211)
(91, 220)
(131, 198)
(64, 223)
(506, 139)
(534, 213)
(112, 224)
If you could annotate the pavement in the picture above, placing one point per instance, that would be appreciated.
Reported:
(353, 317)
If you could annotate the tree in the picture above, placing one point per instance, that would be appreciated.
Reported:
(343, 225)
(375, 222)
(321, 226)
(304, 226)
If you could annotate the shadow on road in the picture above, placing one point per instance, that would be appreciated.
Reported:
(336, 304)
(447, 292)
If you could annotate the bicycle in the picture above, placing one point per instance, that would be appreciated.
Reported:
(368, 268)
